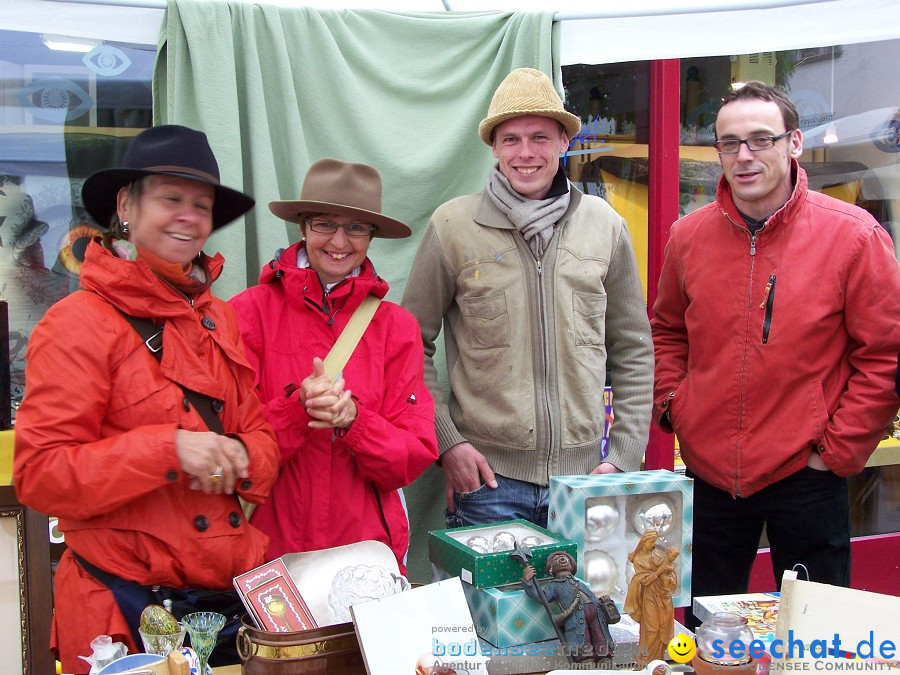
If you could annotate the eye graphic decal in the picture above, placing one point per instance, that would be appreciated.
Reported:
(106, 60)
(73, 245)
(54, 99)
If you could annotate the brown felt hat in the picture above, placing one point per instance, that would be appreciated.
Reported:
(344, 189)
(526, 91)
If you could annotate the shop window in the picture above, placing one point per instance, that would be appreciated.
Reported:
(609, 157)
(850, 121)
(63, 114)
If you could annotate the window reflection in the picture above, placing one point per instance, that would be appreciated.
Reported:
(609, 157)
(63, 114)
(836, 92)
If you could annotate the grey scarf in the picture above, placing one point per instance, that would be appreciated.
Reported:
(533, 218)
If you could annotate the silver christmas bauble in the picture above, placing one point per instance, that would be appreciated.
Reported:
(601, 519)
(504, 541)
(531, 541)
(479, 544)
(656, 513)
(601, 572)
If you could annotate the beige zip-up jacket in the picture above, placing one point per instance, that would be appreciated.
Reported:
(527, 341)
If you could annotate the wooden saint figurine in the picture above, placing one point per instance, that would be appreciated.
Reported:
(649, 597)
(582, 624)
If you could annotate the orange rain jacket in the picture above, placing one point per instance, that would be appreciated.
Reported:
(95, 444)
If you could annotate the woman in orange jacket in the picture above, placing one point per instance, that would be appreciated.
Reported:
(140, 444)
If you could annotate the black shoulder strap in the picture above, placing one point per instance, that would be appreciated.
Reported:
(151, 334)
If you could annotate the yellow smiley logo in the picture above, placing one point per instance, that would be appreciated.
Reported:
(682, 648)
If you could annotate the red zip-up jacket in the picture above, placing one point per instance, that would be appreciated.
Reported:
(337, 488)
(768, 346)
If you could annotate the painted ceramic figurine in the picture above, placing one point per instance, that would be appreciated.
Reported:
(583, 622)
(649, 597)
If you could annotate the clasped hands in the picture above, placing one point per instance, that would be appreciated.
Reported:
(326, 402)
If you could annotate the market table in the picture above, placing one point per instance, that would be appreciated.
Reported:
(236, 670)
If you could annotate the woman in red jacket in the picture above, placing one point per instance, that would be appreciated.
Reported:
(141, 452)
(348, 443)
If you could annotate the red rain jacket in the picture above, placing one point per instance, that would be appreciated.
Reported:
(335, 488)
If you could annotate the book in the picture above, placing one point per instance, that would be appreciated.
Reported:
(759, 609)
(273, 600)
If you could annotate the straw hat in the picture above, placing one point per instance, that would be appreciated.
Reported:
(169, 150)
(343, 189)
(526, 91)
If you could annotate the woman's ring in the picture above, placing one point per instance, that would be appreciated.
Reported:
(216, 475)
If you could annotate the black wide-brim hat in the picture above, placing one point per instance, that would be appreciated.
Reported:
(170, 150)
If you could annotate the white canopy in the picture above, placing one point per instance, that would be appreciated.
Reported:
(634, 31)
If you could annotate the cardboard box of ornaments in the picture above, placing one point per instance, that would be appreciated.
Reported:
(607, 514)
(480, 554)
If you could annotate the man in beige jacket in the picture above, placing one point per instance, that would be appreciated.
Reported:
(534, 284)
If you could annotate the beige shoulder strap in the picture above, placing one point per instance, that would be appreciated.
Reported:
(340, 353)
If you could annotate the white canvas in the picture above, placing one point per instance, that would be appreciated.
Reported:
(865, 623)
(413, 632)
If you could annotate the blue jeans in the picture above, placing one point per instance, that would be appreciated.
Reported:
(512, 499)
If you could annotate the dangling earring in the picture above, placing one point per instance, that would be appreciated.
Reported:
(124, 227)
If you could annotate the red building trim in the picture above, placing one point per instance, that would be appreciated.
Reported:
(875, 566)
(665, 137)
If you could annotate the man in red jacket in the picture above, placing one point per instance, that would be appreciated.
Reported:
(776, 334)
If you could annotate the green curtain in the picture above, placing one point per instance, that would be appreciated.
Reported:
(277, 88)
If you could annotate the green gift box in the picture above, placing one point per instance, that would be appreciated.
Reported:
(448, 550)
(606, 514)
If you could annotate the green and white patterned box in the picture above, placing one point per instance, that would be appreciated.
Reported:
(448, 550)
(606, 515)
(504, 616)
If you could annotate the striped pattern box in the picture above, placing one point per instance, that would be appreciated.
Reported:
(505, 616)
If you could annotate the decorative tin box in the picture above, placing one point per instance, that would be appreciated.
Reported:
(480, 554)
(606, 515)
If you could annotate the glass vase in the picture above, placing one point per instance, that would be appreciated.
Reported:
(203, 627)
